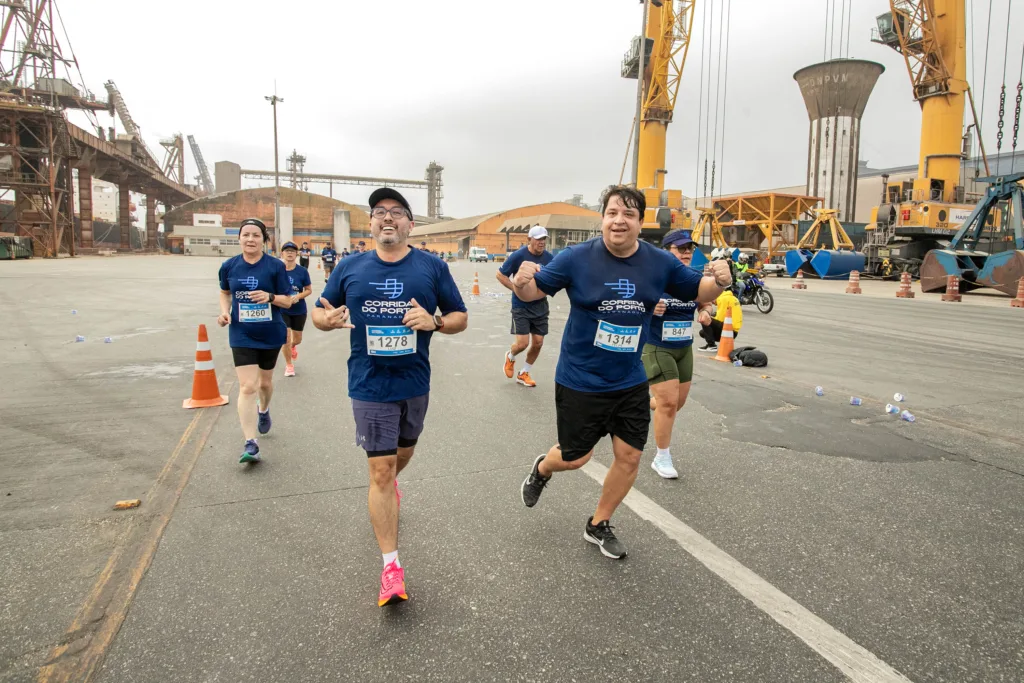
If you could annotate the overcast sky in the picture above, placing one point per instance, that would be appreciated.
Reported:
(521, 102)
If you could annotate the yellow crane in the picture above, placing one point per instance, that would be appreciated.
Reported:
(661, 52)
(913, 215)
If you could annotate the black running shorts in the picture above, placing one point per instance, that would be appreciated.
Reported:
(265, 358)
(584, 418)
(294, 322)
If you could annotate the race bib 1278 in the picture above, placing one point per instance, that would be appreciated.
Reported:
(390, 341)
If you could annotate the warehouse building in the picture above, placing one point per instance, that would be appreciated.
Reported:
(305, 217)
(505, 231)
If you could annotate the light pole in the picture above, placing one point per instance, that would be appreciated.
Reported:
(274, 99)
(640, 93)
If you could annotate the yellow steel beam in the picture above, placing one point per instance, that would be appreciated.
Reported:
(669, 26)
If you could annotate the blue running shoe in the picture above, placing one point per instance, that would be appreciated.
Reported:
(251, 452)
(264, 423)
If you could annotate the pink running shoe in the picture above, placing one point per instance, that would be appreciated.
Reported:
(398, 493)
(289, 370)
(392, 586)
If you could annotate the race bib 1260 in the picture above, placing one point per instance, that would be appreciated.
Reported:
(677, 331)
(624, 339)
(254, 313)
(390, 341)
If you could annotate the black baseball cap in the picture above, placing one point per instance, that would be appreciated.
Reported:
(289, 245)
(380, 194)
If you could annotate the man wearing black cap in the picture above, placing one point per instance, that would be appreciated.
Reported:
(388, 297)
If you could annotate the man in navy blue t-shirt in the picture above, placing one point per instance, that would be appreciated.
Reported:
(613, 283)
(388, 298)
(329, 257)
(529, 318)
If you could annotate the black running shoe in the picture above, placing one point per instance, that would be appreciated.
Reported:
(534, 484)
(601, 535)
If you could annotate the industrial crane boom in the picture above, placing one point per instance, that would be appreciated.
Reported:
(667, 31)
(931, 35)
(204, 173)
(127, 121)
(670, 26)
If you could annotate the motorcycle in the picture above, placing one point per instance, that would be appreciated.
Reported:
(755, 291)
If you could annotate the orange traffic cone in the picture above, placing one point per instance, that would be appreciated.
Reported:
(205, 391)
(905, 292)
(952, 292)
(1019, 301)
(476, 284)
(318, 265)
(799, 282)
(726, 343)
(854, 286)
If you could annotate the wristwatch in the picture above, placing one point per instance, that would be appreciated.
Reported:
(438, 322)
(271, 299)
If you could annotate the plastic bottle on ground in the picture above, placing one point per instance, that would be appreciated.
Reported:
(854, 401)
(899, 398)
(819, 391)
(737, 363)
(891, 409)
(906, 416)
(79, 338)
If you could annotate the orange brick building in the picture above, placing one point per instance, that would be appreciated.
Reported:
(312, 214)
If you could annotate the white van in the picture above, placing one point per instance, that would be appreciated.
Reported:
(477, 254)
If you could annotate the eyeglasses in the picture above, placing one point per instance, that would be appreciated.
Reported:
(687, 247)
(395, 211)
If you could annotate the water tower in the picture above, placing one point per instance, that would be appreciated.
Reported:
(836, 93)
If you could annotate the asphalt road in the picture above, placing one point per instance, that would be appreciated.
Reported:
(807, 540)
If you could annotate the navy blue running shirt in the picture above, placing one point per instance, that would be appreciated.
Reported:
(612, 300)
(299, 279)
(674, 329)
(255, 326)
(390, 362)
(512, 263)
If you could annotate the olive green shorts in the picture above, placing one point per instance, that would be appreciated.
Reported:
(664, 364)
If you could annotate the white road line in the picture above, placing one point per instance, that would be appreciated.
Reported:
(858, 664)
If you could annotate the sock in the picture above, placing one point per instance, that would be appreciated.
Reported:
(391, 557)
(262, 412)
(526, 368)
(512, 355)
(663, 453)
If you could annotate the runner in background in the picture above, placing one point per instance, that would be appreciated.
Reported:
(295, 316)
(668, 356)
(304, 254)
(329, 257)
(254, 288)
(529, 319)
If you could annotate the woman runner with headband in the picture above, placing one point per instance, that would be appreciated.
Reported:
(254, 288)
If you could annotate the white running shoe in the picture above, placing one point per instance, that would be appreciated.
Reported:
(663, 466)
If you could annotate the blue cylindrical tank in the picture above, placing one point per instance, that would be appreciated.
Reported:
(797, 259)
(700, 259)
(830, 264)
